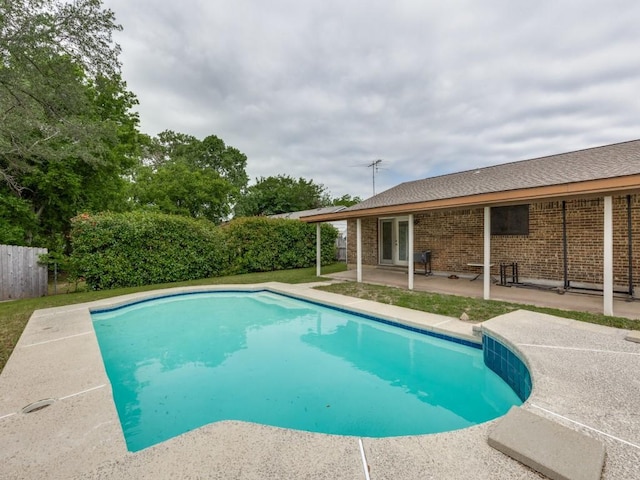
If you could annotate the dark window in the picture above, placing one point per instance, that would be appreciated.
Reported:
(512, 220)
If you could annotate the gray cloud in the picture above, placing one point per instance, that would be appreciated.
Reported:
(320, 88)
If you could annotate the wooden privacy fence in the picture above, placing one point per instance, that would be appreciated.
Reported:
(21, 276)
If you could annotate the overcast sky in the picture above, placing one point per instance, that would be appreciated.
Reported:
(321, 88)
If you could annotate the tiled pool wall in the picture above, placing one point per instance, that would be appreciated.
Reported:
(508, 365)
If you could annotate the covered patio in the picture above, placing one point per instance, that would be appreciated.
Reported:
(464, 286)
(566, 222)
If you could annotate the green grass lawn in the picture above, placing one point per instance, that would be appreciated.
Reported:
(477, 309)
(15, 314)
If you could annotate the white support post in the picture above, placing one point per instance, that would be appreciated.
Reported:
(487, 254)
(359, 250)
(607, 292)
(410, 253)
(318, 250)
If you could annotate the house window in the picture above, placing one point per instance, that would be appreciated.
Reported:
(511, 220)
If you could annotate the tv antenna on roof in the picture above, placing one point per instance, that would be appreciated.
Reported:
(375, 165)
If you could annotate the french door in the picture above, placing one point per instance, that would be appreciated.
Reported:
(394, 241)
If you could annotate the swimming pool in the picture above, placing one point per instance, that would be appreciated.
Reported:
(179, 362)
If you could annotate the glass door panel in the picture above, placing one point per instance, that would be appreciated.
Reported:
(403, 241)
(386, 240)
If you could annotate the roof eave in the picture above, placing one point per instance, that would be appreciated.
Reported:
(626, 184)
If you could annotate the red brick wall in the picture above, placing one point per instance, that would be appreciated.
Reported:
(455, 238)
(369, 241)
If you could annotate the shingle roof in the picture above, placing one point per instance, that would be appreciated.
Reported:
(610, 161)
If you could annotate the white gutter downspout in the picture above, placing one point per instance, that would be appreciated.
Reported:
(487, 254)
(359, 250)
(607, 292)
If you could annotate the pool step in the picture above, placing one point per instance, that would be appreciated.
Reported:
(552, 449)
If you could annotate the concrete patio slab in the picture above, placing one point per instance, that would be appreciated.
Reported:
(552, 449)
(238, 450)
(576, 300)
(633, 336)
(45, 327)
(72, 436)
(51, 370)
(573, 366)
(585, 377)
(462, 454)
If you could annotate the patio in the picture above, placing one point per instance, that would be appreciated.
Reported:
(566, 218)
(578, 300)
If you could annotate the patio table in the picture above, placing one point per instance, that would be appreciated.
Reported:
(481, 266)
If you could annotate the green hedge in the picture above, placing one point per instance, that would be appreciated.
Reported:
(141, 248)
(258, 244)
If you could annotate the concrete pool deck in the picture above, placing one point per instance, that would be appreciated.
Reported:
(586, 377)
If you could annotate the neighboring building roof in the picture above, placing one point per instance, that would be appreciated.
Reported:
(306, 213)
(535, 178)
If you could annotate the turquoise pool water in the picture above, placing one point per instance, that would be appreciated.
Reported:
(180, 362)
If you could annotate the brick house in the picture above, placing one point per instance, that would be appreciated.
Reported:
(569, 220)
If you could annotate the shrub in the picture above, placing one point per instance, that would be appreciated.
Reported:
(259, 244)
(141, 248)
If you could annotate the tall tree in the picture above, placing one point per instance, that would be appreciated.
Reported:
(346, 200)
(66, 130)
(281, 194)
(47, 47)
(187, 176)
